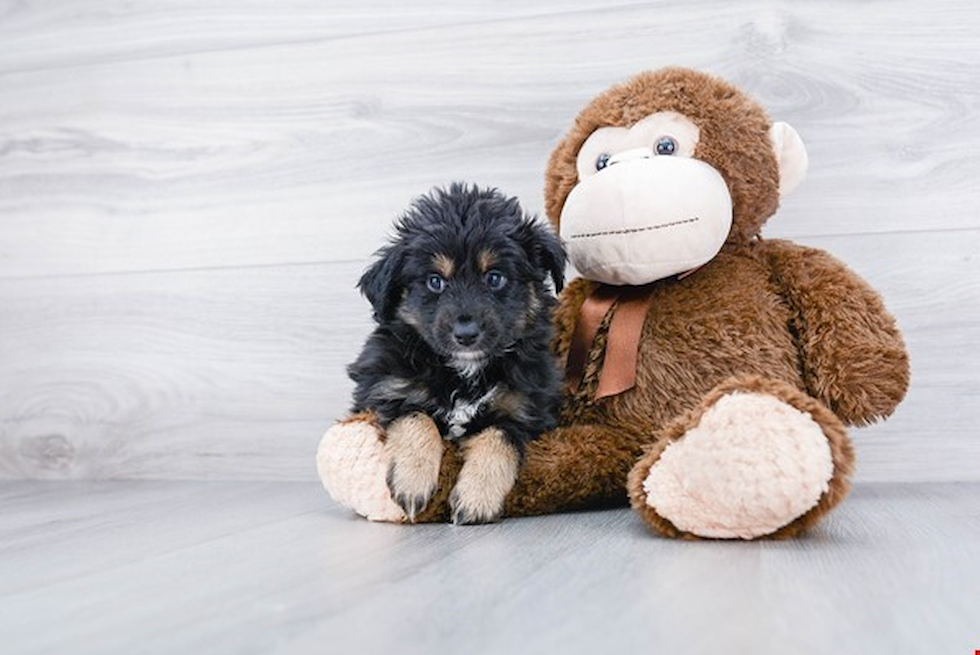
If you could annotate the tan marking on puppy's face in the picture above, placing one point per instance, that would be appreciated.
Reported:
(413, 447)
(490, 466)
(486, 260)
(443, 265)
(533, 303)
(530, 313)
(410, 317)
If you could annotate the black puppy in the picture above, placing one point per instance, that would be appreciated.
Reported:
(462, 348)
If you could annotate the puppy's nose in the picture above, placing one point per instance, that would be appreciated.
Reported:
(466, 331)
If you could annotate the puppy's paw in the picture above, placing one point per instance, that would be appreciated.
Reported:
(472, 506)
(414, 449)
(490, 465)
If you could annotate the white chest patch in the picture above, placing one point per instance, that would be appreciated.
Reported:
(463, 412)
(468, 367)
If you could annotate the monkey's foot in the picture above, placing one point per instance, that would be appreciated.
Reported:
(748, 466)
(352, 464)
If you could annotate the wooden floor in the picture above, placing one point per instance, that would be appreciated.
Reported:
(274, 567)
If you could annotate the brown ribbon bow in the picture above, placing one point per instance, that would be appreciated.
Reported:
(630, 306)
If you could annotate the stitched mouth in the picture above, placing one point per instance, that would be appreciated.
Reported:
(634, 230)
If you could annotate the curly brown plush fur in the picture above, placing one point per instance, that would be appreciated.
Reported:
(731, 127)
(763, 317)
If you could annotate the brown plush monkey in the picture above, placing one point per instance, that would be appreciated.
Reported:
(710, 372)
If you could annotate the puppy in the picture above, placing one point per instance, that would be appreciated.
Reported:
(462, 347)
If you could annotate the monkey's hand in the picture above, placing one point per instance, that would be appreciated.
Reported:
(853, 356)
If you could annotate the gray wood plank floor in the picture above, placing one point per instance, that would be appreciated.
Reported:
(273, 567)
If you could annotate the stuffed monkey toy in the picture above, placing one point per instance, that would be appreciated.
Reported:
(710, 372)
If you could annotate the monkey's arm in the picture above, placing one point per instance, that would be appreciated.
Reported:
(852, 354)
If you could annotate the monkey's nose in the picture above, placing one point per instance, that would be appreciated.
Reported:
(466, 331)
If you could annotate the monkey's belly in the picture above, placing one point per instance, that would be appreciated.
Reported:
(727, 319)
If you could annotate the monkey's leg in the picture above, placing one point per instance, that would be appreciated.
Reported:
(757, 458)
(574, 467)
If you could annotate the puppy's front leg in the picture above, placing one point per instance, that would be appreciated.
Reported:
(414, 448)
(490, 465)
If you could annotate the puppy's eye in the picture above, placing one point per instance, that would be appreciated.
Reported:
(496, 280)
(435, 283)
(665, 145)
(601, 161)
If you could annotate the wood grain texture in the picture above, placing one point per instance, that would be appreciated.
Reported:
(236, 373)
(165, 136)
(46, 34)
(188, 191)
(196, 567)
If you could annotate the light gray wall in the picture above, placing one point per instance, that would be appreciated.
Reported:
(189, 189)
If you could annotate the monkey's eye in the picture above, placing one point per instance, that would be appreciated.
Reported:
(435, 283)
(496, 280)
(601, 161)
(665, 145)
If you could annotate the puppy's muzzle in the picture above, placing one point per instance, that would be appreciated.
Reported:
(466, 331)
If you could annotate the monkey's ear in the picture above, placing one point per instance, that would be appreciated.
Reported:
(379, 284)
(545, 250)
(790, 155)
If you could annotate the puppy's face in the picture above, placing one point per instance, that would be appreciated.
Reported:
(469, 298)
(466, 271)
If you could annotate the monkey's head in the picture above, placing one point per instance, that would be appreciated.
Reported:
(658, 173)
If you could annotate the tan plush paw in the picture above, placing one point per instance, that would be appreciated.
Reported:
(352, 467)
(751, 465)
(490, 465)
(414, 451)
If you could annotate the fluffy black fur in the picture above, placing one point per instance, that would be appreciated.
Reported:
(414, 361)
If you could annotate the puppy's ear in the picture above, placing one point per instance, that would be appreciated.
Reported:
(379, 284)
(545, 250)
